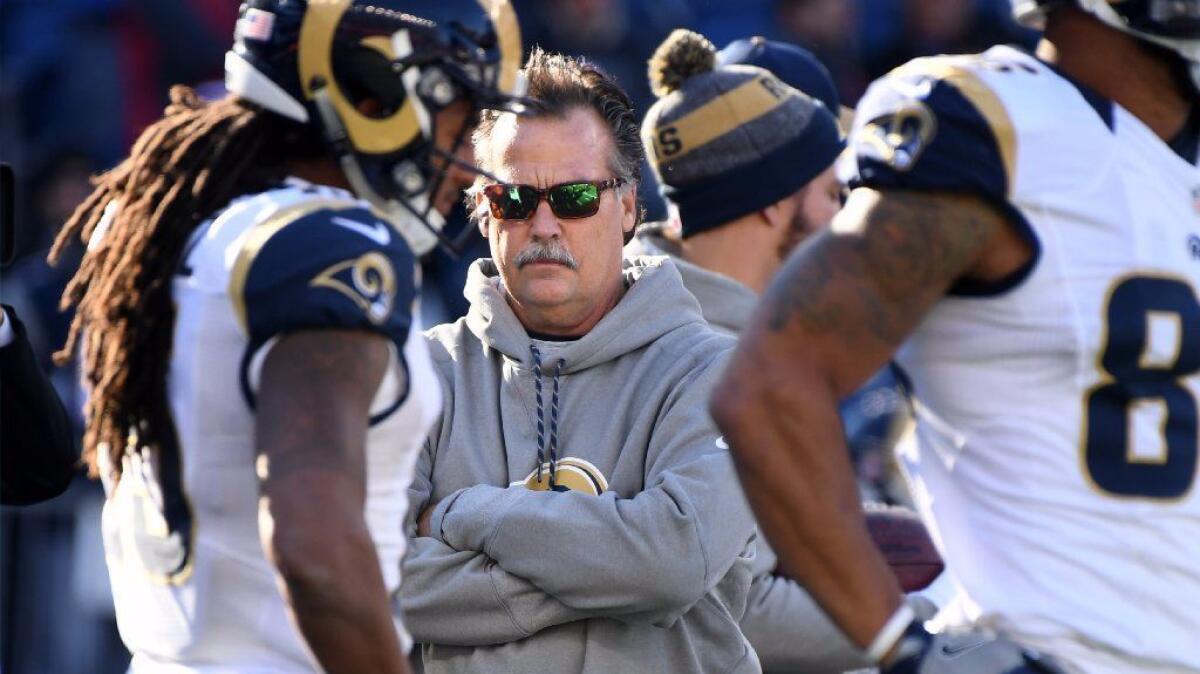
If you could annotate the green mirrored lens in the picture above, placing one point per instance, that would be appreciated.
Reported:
(575, 199)
(517, 202)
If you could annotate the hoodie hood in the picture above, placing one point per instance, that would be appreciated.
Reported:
(725, 303)
(654, 304)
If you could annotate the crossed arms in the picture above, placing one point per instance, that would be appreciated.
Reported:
(518, 561)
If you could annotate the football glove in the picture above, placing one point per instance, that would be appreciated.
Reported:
(919, 652)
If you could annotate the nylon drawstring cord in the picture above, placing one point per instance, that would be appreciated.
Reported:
(541, 421)
(554, 425)
(541, 427)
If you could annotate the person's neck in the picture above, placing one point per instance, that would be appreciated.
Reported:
(1116, 66)
(564, 321)
(744, 250)
(319, 172)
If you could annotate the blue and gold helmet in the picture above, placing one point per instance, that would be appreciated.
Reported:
(1173, 24)
(318, 61)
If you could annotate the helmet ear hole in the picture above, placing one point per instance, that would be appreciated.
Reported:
(368, 81)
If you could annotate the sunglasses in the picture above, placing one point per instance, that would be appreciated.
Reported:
(569, 201)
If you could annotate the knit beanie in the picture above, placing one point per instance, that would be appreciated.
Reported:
(795, 65)
(728, 141)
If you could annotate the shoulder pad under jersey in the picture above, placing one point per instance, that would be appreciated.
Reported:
(323, 264)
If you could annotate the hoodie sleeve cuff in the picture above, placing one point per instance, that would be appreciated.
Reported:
(471, 516)
(439, 515)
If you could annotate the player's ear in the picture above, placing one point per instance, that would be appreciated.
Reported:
(481, 216)
(629, 207)
(778, 215)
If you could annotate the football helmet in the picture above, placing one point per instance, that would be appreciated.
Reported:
(318, 61)
(1173, 24)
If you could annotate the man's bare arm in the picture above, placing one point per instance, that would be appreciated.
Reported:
(313, 410)
(833, 316)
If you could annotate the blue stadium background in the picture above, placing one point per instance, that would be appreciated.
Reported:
(80, 78)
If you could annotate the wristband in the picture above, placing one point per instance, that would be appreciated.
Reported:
(890, 633)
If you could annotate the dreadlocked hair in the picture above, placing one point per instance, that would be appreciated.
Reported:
(135, 224)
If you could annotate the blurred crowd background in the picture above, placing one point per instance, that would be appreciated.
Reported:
(79, 79)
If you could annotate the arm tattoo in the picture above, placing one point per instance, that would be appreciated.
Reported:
(890, 256)
(315, 399)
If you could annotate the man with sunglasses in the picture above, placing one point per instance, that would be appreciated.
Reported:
(578, 512)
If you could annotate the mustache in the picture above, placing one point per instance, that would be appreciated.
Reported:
(549, 251)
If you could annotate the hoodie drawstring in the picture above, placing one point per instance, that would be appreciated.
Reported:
(541, 427)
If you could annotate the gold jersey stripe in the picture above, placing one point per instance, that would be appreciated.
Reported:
(980, 95)
(258, 236)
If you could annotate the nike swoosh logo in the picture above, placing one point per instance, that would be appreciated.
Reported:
(952, 651)
(377, 233)
(721, 444)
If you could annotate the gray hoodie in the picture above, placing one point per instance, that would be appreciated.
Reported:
(639, 561)
(787, 628)
(725, 303)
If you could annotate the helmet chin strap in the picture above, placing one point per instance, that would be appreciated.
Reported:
(1194, 72)
(419, 224)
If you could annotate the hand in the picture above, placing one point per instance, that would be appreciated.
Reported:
(919, 652)
(423, 519)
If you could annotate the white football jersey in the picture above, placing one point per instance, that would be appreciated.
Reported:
(192, 587)
(1055, 452)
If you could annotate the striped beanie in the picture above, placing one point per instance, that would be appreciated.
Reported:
(731, 140)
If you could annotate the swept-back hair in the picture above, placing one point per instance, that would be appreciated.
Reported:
(558, 84)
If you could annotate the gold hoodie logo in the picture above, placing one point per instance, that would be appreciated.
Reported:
(573, 475)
